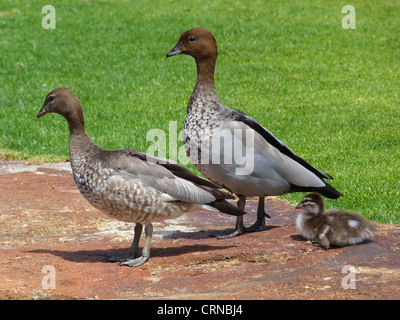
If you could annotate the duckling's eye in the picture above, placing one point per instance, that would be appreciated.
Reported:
(50, 99)
(192, 39)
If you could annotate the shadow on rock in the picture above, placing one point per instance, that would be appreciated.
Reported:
(102, 255)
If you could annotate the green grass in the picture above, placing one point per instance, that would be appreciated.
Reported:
(332, 95)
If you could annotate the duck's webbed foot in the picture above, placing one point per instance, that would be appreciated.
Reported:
(239, 229)
(259, 225)
(130, 259)
(134, 262)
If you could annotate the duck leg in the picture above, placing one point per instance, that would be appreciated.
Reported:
(135, 262)
(260, 222)
(130, 259)
(134, 247)
(239, 229)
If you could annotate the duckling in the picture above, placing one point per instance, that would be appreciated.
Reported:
(130, 185)
(333, 227)
(269, 167)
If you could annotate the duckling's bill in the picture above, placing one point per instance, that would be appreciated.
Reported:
(299, 206)
(42, 111)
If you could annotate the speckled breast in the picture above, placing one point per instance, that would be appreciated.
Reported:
(121, 197)
(198, 131)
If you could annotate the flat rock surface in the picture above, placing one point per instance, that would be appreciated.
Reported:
(53, 245)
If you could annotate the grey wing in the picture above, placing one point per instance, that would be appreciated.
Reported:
(158, 177)
(275, 142)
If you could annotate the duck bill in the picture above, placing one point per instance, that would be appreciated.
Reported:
(176, 50)
(299, 206)
(42, 112)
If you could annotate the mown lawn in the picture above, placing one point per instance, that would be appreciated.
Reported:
(330, 94)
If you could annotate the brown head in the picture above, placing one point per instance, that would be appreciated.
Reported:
(312, 203)
(202, 46)
(198, 43)
(64, 102)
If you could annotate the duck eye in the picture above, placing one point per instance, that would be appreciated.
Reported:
(50, 99)
(192, 39)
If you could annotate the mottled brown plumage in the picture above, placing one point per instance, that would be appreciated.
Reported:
(130, 185)
(333, 227)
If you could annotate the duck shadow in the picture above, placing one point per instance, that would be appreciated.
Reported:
(177, 234)
(93, 256)
(300, 238)
(204, 234)
(297, 237)
(228, 231)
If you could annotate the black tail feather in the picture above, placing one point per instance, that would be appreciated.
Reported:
(226, 207)
(328, 191)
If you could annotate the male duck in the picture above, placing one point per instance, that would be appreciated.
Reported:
(269, 168)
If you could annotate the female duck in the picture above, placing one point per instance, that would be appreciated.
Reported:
(130, 185)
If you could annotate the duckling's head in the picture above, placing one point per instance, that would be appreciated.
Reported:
(312, 203)
(198, 43)
(64, 102)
